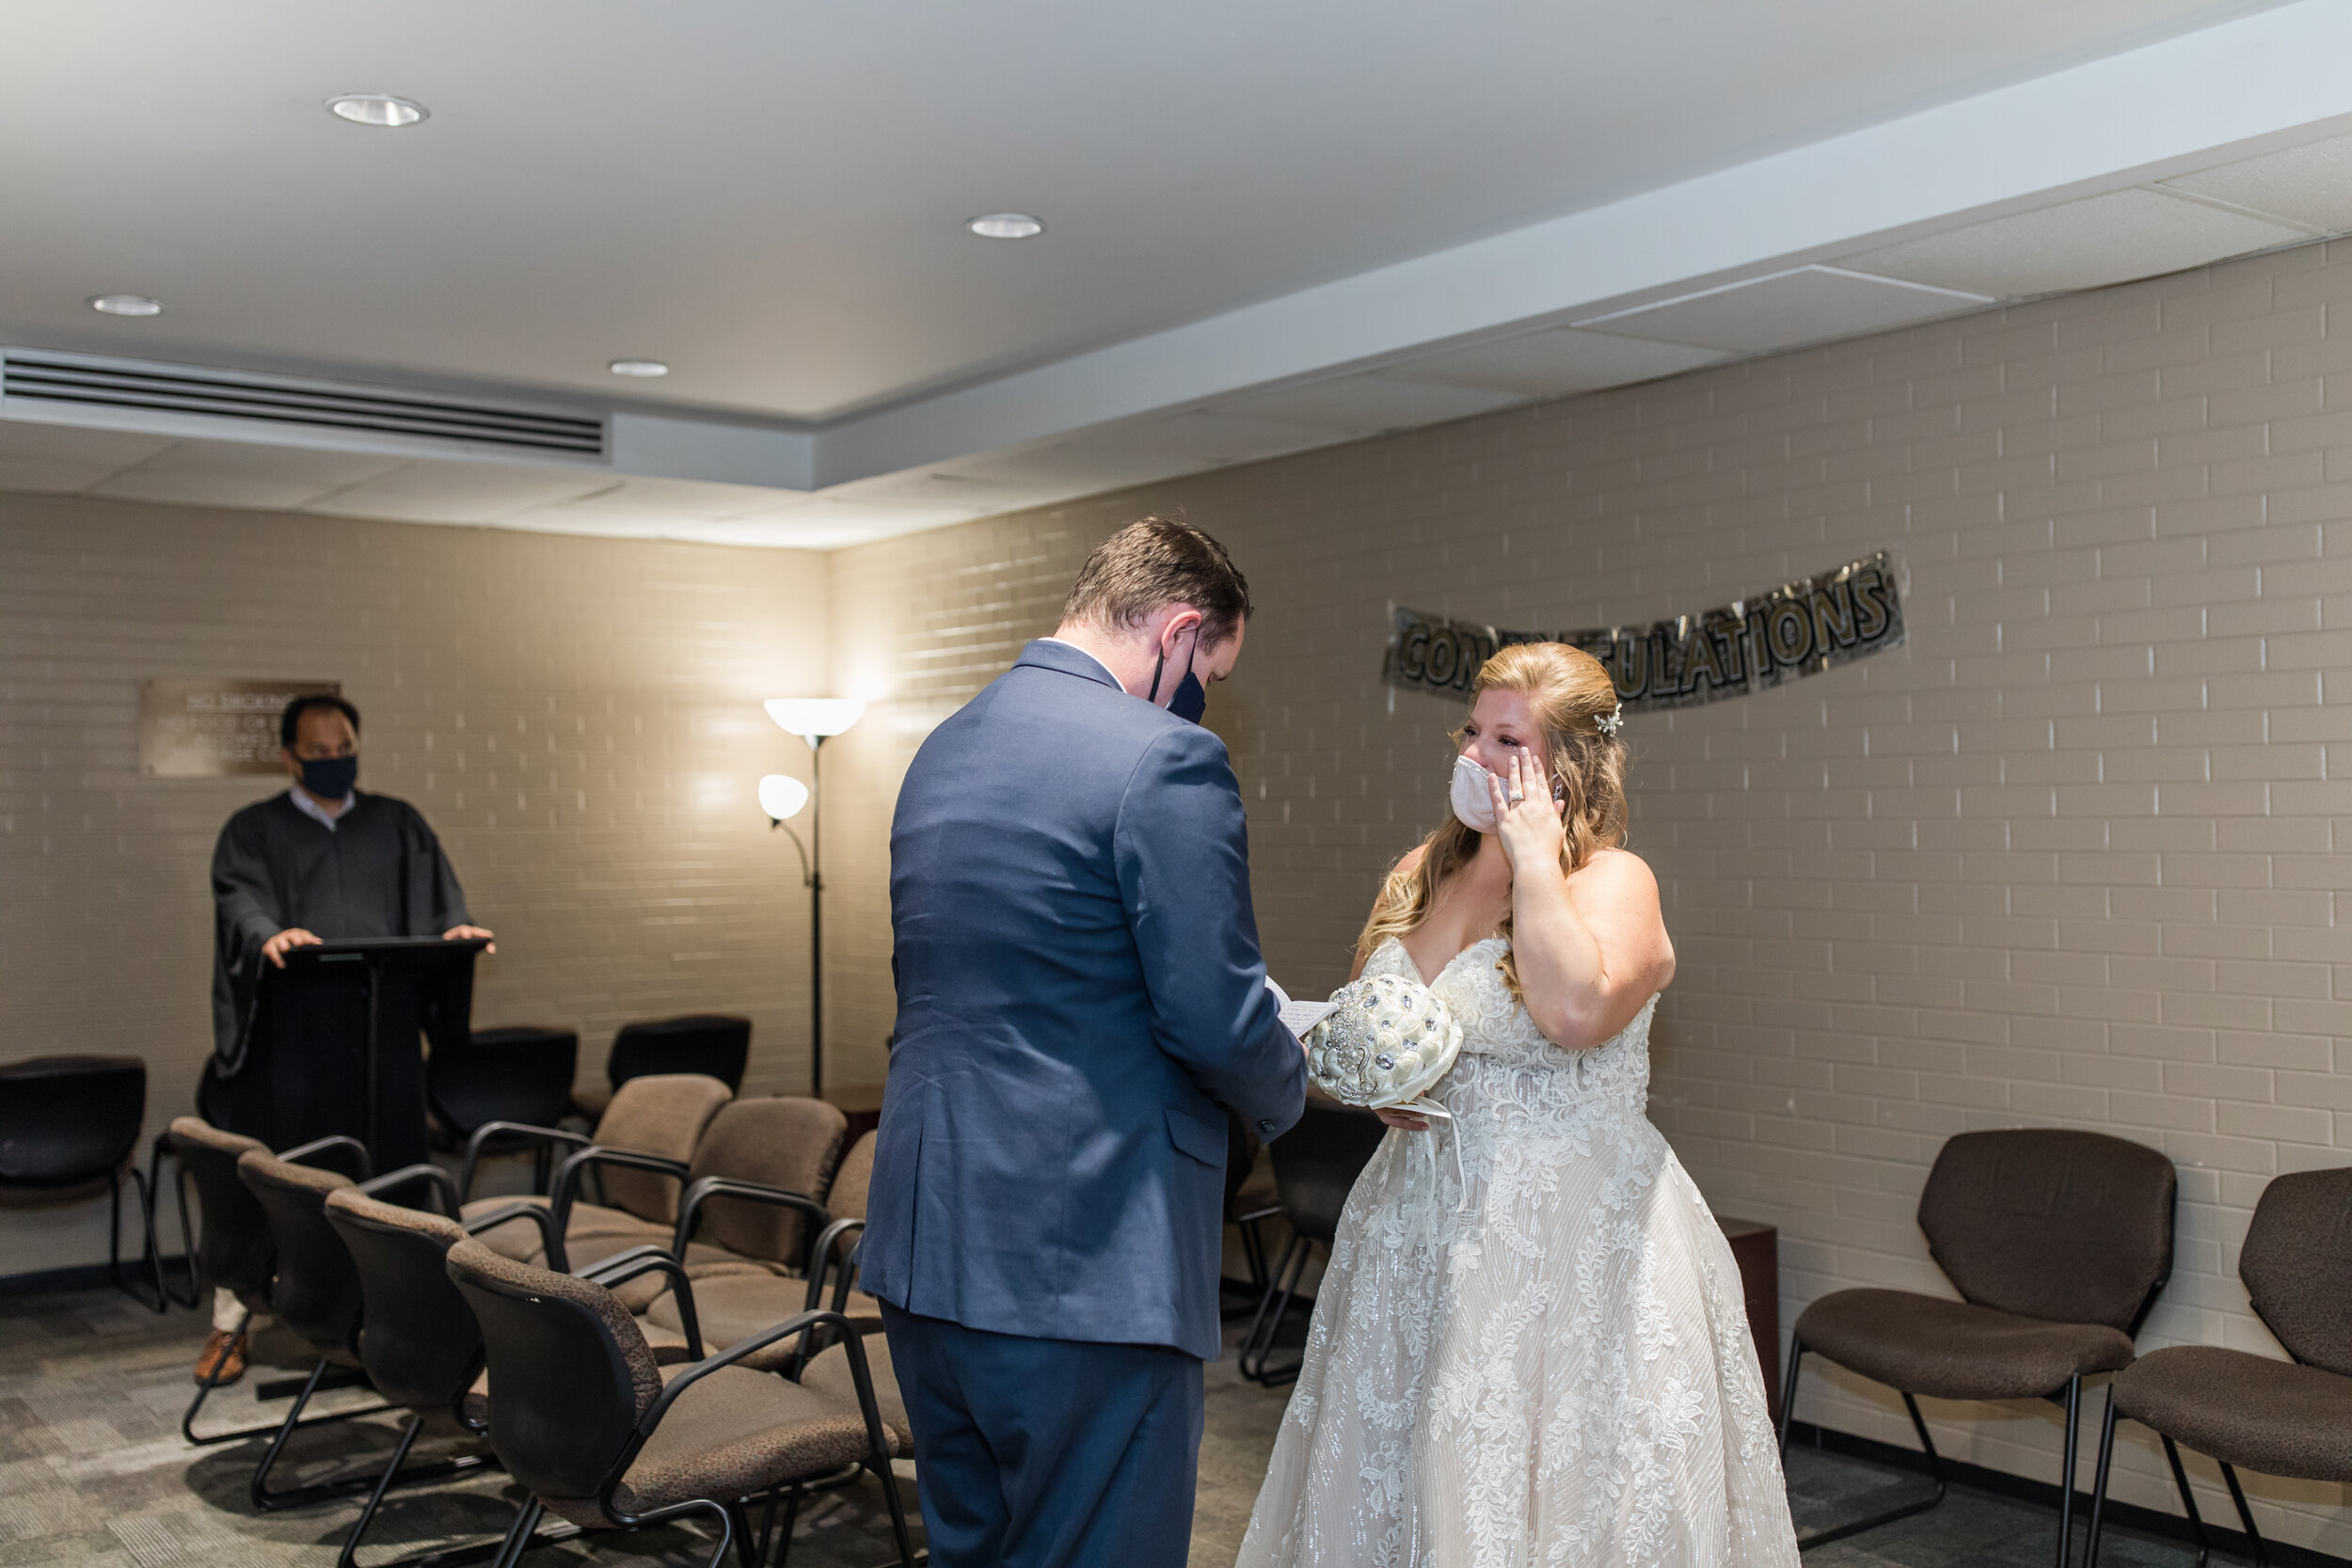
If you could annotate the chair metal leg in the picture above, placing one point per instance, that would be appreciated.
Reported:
(211, 1379)
(1935, 1468)
(2188, 1501)
(269, 1501)
(156, 1155)
(2066, 1476)
(2099, 1481)
(1290, 1273)
(725, 1516)
(1788, 1392)
(897, 1518)
(263, 1499)
(1257, 1321)
(2246, 1516)
(317, 1382)
(376, 1498)
(740, 1522)
(767, 1520)
(1252, 1249)
(147, 1288)
(519, 1534)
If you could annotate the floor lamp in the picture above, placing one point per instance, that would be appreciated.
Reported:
(814, 719)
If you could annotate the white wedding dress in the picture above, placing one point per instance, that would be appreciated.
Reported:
(1560, 1374)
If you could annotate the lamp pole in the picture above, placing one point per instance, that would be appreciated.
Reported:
(815, 719)
(816, 921)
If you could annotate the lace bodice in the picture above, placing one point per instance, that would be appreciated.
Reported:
(1506, 1064)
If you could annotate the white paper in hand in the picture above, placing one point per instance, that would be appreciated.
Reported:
(1297, 1017)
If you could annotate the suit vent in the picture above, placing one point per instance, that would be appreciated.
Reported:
(177, 399)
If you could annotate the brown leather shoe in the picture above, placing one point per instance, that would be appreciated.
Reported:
(226, 1351)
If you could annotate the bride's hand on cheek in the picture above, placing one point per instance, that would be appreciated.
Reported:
(1529, 828)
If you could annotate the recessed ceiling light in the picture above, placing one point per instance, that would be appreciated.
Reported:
(637, 367)
(126, 305)
(376, 108)
(1007, 226)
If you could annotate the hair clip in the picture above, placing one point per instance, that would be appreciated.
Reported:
(1608, 723)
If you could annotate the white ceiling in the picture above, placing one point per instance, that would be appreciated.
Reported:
(1270, 228)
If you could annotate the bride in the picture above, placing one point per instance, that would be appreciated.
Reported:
(1554, 1367)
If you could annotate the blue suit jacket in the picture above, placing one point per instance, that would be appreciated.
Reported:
(1080, 997)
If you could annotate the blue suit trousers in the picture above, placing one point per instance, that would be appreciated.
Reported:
(1048, 1453)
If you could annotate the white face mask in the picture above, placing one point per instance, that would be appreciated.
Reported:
(1474, 807)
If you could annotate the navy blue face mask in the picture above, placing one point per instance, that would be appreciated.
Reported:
(1191, 699)
(330, 778)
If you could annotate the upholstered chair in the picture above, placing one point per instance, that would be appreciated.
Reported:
(601, 1435)
(2280, 1417)
(2056, 1240)
(739, 1297)
(641, 1146)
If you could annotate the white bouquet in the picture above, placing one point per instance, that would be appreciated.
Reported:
(1384, 1043)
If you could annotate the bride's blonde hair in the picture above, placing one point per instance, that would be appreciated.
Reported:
(1569, 692)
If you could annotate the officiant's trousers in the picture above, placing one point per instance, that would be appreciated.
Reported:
(1048, 1453)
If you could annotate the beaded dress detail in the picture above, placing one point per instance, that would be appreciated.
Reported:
(1556, 1370)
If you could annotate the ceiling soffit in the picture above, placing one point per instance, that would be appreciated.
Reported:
(2200, 147)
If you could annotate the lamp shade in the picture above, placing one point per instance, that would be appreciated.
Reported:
(781, 796)
(813, 718)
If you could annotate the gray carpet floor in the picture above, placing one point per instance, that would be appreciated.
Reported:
(93, 1471)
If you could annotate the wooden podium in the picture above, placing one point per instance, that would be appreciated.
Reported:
(333, 1044)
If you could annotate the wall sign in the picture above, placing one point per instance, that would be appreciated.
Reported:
(211, 727)
(1799, 628)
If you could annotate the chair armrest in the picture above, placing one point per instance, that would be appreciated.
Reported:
(595, 1271)
(550, 1238)
(621, 1268)
(690, 1207)
(300, 1153)
(434, 1176)
(820, 1263)
(761, 1340)
(567, 1175)
(488, 1130)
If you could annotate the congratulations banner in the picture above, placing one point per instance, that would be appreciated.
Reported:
(1747, 645)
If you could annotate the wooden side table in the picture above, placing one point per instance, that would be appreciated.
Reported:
(1756, 1249)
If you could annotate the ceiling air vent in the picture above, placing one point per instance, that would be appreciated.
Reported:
(194, 400)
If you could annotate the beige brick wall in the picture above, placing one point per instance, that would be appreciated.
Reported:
(2071, 857)
(578, 719)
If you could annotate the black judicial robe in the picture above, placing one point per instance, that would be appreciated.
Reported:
(289, 1060)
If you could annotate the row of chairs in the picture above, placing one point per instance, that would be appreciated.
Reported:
(2058, 1244)
(480, 1306)
(70, 1125)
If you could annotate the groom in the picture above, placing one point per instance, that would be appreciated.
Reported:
(1080, 999)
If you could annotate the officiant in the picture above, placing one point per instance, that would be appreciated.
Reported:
(323, 861)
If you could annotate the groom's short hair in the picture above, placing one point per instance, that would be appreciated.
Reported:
(1156, 562)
